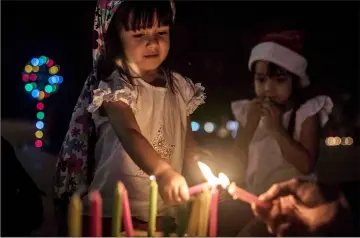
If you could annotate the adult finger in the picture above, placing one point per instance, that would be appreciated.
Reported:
(280, 189)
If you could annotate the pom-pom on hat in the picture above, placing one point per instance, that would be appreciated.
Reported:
(283, 49)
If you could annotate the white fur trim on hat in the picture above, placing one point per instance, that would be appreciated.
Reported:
(282, 56)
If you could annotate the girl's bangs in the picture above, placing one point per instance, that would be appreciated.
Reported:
(137, 15)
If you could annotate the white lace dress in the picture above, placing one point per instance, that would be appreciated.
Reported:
(154, 112)
(266, 164)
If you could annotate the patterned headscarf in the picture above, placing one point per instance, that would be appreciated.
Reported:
(75, 163)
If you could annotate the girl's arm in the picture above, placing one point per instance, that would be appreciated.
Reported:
(302, 154)
(191, 169)
(241, 145)
(136, 145)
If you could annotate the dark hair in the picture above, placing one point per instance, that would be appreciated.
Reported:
(142, 13)
(296, 96)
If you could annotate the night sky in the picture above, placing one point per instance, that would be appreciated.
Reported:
(211, 45)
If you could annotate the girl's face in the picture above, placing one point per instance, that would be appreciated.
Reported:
(146, 49)
(272, 81)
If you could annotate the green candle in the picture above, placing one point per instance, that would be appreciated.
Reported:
(117, 211)
(153, 206)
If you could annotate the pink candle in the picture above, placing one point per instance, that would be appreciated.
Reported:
(214, 211)
(96, 216)
(197, 188)
(129, 229)
(239, 193)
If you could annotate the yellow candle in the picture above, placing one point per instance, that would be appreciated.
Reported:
(74, 217)
(194, 217)
(117, 210)
(205, 198)
(153, 206)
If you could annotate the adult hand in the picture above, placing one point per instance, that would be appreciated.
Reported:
(303, 209)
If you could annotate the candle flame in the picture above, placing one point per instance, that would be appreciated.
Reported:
(224, 180)
(152, 177)
(208, 174)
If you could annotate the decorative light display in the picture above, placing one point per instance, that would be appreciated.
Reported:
(42, 79)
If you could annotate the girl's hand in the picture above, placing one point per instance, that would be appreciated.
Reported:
(254, 113)
(172, 187)
(272, 117)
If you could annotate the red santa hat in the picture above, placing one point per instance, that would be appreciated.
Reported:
(283, 49)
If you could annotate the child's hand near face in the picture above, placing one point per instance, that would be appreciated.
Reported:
(272, 116)
(172, 187)
(254, 113)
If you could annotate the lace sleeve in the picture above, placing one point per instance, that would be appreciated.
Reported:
(196, 98)
(114, 90)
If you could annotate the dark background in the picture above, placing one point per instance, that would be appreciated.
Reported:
(211, 45)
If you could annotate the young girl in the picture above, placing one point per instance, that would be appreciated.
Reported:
(139, 109)
(278, 133)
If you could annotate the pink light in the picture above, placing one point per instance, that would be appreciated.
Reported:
(40, 106)
(38, 143)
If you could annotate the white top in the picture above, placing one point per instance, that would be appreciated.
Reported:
(159, 113)
(266, 164)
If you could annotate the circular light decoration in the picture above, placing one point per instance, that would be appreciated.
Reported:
(42, 79)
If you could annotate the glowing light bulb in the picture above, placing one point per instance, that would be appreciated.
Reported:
(195, 126)
(38, 143)
(53, 70)
(28, 87)
(48, 88)
(28, 68)
(40, 115)
(35, 69)
(35, 93)
(33, 77)
(35, 62)
(25, 77)
(40, 106)
(209, 127)
(39, 125)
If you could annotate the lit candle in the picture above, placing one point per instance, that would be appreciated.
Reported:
(214, 211)
(153, 206)
(129, 229)
(96, 216)
(239, 193)
(117, 210)
(74, 218)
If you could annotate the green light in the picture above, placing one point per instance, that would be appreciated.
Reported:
(34, 85)
(53, 88)
(48, 88)
(40, 115)
(28, 87)
(44, 58)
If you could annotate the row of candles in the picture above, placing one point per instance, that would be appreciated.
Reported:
(203, 217)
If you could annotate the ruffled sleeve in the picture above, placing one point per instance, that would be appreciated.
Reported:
(321, 105)
(116, 89)
(239, 109)
(193, 94)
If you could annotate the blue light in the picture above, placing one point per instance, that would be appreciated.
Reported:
(53, 79)
(232, 125)
(39, 125)
(41, 61)
(35, 62)
(195, 126)
(35, 93)
(60, 79)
